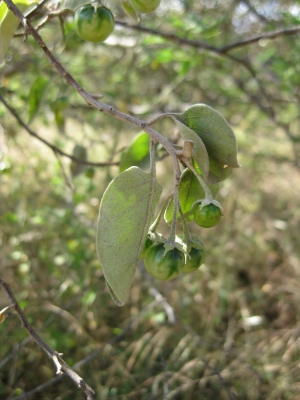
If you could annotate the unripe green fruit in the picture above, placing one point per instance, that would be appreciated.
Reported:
(148, 243)
(208, 217)
(163, 268)
(197, 259)
(94, 24)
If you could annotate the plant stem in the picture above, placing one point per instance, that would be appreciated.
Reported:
(186, 233)
(88, 97)
(154, 226)
(60, 364)
(207, 192)
(152, 158)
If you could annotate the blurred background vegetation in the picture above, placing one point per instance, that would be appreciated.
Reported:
(229, 331)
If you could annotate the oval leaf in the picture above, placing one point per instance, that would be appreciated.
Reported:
(190, 190)
(3, 11)
(36, 93)
(199, 151)
(214, 131)
(137, 153)
(217, 171)
(130, 11)
(126, 212)
(79, 152)
(58, 107)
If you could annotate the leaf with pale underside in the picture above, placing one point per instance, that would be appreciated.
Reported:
(189, 191)
(214, 131)
(126, 212)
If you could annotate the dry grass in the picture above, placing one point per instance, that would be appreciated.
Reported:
(236, 333)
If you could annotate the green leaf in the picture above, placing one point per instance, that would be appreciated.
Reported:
(79, 152)
(126, 212)
(190, 190)
(199, 151)
(60, 103)
(59, 120)
(130, 11)
(217, 171)
(3, 11)
(58, 106)
(213, 129)
(36, 93)
(137, 153)
(9, 23)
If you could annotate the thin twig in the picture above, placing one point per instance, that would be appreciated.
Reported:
(204, 46)
(89, 98)
(39, 7)
(91, 356)
(223, 50)
(269, 112)
(188, 42)
(160, 299)
(254, 11)
(25, 341)
(220, 51)
(60, 364)
(56, 149)
(107, 109)
(255, 39)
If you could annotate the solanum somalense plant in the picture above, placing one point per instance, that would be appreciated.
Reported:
(126, 230)
(127, 210)
(127, 222)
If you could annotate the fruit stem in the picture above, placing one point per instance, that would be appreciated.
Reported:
(152, 157)
(154, 226)
(186, 233)
(207, 192)
(172, 234)
(159, 118)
